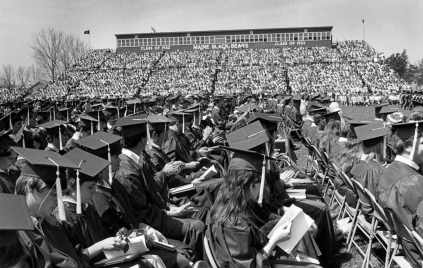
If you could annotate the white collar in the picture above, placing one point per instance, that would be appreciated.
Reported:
(378, 119)
(130, 154)
(51, 146)
(406, 161)
(342, 139)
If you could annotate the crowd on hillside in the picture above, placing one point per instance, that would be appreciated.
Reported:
(353, 67)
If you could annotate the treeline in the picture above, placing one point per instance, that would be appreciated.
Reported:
(412, 73)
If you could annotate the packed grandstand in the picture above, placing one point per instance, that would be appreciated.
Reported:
(345, 71)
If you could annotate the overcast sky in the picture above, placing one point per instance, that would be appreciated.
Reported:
(390, 25)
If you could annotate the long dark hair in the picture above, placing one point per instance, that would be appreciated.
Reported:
(233, 197)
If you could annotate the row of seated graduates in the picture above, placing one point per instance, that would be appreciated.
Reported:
(190, 229)
(384, 157)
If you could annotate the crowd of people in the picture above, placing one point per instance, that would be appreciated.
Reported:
(89, 178)
(351, 67)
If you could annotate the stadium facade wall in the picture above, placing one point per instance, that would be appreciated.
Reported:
(322, 43)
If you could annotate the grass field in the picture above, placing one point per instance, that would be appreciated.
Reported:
(343, 258)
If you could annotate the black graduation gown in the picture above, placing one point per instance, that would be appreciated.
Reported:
(48, 247)
(239, 244)
(402, 191)
(7, 186)
(149, 206)
(317, 210)
(368, 174)
(114, 207)
(177, 148)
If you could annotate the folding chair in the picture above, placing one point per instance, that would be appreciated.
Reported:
(319, 160)
(381, 217)
(403, 234)
(360, 222)
(336, 196)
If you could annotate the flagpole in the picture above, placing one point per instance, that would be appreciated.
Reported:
(364, 39)
(89, 38)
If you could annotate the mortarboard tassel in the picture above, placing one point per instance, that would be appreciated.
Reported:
(109, 158)
(148, 137)
(99, 123)
(92, 127)
(67, 115)
(126, 111)
(135, 107)
(263, 175)
(54, 113)
(183, 123)
(60, 206)
(78, 191)
(10, 121)
(413, 149)
(118, 113)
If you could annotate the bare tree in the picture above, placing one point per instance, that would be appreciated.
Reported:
(34, 73)
(46, 47)
(8, 76)
(22, 76)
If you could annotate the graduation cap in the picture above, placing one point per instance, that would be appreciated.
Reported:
(244, 108)
(10, 120)
(90, 166)
(25, 112)
(195, 110)
(180, 117)
(270, 121)
(325, 100)
(158, 122)
(132, 125)
(249, 161)
(404, 131)
(6, 142)
(100, 144)
(49, 167)
(88, 122)
(43, 116)
(99, 115)
(332, 116)
(317, 111)
(55, 128)
(65, 113)
(371, 134)
(135, 103)
(110, 110)
(356, 123)
(378, 107)
(15, 217)
(248, 137)
(389, 110)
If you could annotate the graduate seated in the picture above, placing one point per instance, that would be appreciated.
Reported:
(137, 177)
(400, 187)
(238, 227)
